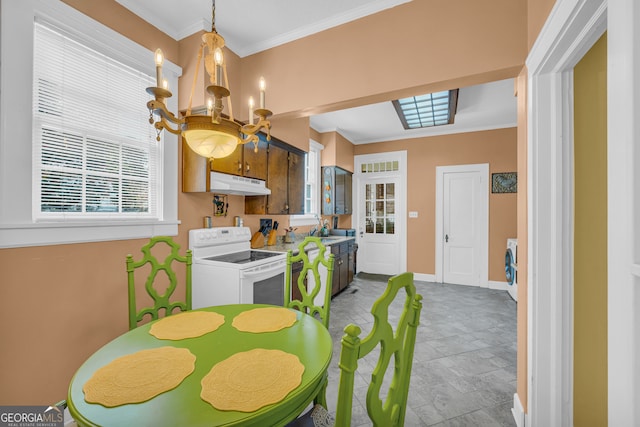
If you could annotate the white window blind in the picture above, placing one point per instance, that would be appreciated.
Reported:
(95, 153)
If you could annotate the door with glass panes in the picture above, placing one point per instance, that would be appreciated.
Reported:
(378, 240)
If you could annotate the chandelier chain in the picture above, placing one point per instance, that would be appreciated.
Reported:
(213, 16)
(209, 134)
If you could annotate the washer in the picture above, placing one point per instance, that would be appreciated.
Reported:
(511, 267)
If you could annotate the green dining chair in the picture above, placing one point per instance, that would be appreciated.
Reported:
(397, 341)
(306, 303)
(162, 300)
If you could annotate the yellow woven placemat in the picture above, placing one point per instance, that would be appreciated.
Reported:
(252, 379)
(139, 376)
(189, 324)
(266, 319)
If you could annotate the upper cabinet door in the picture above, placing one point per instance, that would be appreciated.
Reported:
(296, 183)
(348, 193)
(277, 201)
(336, 191)
(231, 164)
(255, 163)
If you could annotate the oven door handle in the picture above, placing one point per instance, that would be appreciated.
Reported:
(269, 268)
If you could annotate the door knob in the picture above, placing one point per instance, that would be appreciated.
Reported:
(446, 238)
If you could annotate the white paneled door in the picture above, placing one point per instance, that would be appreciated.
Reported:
(380, 212)
(378, 246)
(463, 230)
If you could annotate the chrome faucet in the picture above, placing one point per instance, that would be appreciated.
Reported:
(315, 229)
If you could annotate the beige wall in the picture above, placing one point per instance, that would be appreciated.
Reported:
(420, 46)
(537, 13)
(293, 131)
(338, 150)
(496, 147)
(61, 303)
(590, 238)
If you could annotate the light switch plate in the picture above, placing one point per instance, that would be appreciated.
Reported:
(413, 214)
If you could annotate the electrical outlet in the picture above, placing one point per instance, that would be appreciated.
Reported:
(413, 214)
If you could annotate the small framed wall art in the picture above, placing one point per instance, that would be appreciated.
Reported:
(504, 182)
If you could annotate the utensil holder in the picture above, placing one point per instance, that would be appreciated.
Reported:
(257, 240)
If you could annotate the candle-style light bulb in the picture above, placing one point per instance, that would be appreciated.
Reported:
(218, 58)
(209, 106)
(165, 84)
(263, 87)
(159, 57)
(251, 110)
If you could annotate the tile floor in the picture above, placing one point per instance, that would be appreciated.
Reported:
(464, 371)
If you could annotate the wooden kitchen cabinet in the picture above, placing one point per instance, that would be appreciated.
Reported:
(296, 183)
(195, 170)
(351, 269)
(336, 191)
(278, 163)
(277, 181)
(254, 163)
(245, 161)
(231, 164)
(285, 179)
(344, 265)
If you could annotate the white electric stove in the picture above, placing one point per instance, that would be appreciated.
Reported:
(227, 271)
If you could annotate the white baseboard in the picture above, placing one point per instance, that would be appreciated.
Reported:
(518, 411)
(500, 286)
(422, 277)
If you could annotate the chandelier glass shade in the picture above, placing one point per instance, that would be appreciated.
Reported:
(212, 135)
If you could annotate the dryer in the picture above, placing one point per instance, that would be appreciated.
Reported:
(511, 267)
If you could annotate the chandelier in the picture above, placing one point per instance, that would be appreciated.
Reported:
(212, 135)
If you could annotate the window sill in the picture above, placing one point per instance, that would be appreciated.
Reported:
(298, 220)
(43, 234)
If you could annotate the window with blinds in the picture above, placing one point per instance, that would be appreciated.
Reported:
(94, 151)
(311, 185)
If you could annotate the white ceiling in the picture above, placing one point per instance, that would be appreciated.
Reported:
(480, 107)
(250, 26)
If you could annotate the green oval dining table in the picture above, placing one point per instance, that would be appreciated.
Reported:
(307, 338)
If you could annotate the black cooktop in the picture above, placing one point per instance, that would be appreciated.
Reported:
(242, 257)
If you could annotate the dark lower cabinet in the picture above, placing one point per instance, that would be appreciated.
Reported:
(351, 269)
(343, 266)
(296, 270)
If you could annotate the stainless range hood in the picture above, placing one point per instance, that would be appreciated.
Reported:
(230, 184)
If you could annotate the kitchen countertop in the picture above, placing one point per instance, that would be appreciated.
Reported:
(281, 246)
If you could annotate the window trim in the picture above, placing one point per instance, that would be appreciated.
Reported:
(17, 225)
(313, 218)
